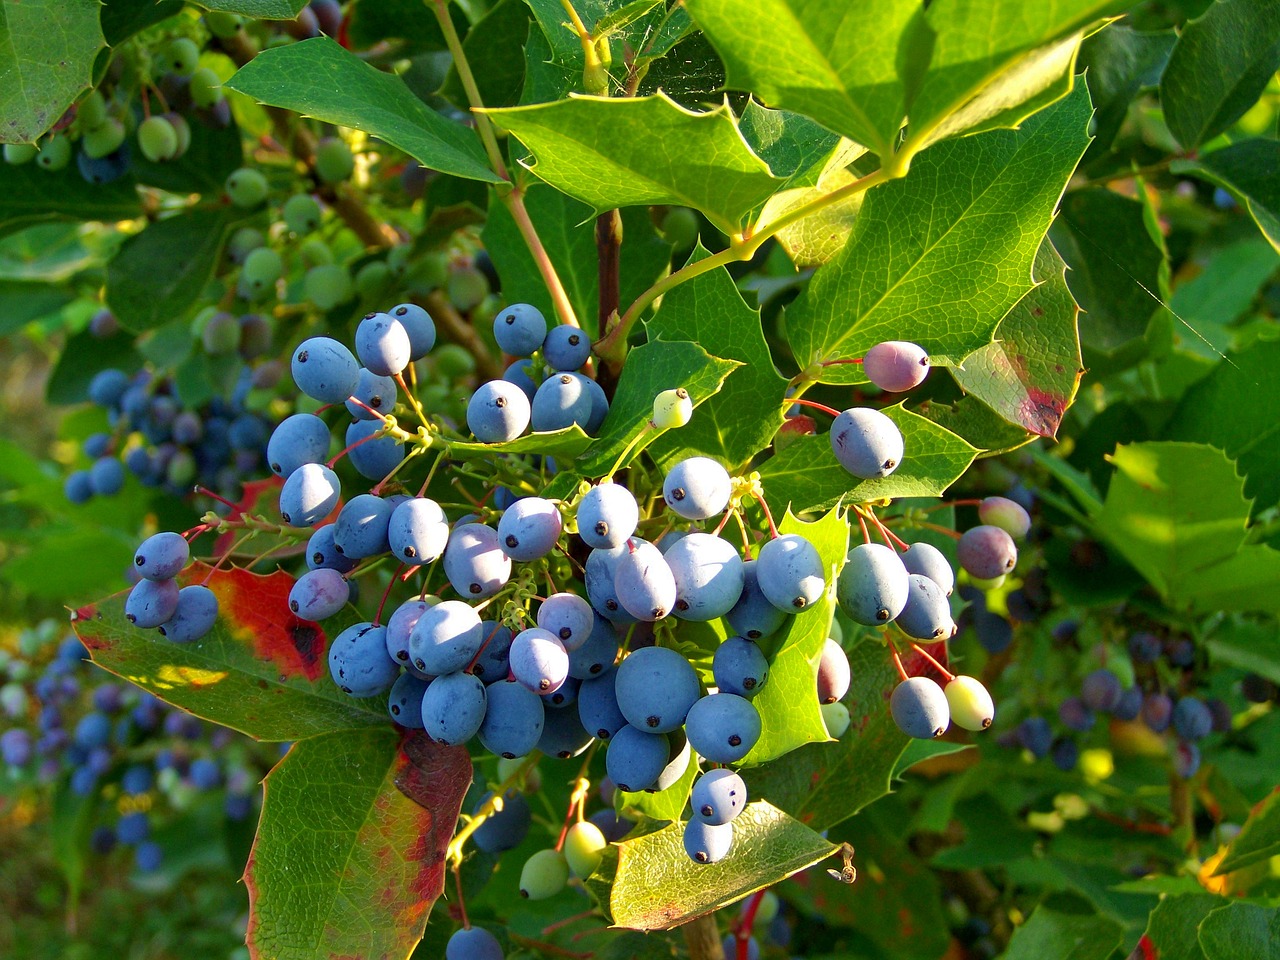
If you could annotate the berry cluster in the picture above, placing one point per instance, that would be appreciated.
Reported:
(114, 743)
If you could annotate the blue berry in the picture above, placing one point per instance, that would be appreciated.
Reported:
(708, 575)
(790, 573)
(151, 602)
(722, 727)
(636, 759)
(376, 393)
(319, 594)
(361, 529)
(498, 411)
(538, 660)
(705, 843)
(529, 529)
(474, 562)
(446, 638)
(358, 661)
(309, 495)
(453, 708)
(325, 370)
(697, 488)
(872, 587)
(194, 615)
(866, 443)
(372, 459)
(513, 721)
(566, 348)
(718, 796)
(920, 708)
(928, 561)
(607, 515)
(520, 329)
(382, 344)
(418, 531)
(753, 616)
(740, 667)
(418, 325)
(162, 556)
(562, 400)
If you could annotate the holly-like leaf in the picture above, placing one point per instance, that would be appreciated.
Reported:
(1117, 266)
(31, 195)
(650, 369)
(317, 78)
(1219, 67)
(822, 784)
(806, 475)
(1240, 930)
(995, 62)
(1258, 839)
(1174, 924)
(1177, 512)
(494, 48)
(121, 19)
(360, 879)
(566, 443)
(160, 273)
(977, 424)
(601, 151)
(1053, 935)
(819, 237)
(568, 231)
(1234, 409)
(624, 26)
(1248, 170)
(47, 49)
(739, 421)
(261, 670)
(788, 703)
(979, 208)
(1029, 374)
(649, 882)
(258, 9)
(848, 66)
(665, 804)
(1118, 62)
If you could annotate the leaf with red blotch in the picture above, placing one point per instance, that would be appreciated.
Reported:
(259, 498)
(261, 670)
(361, 880)
(1030, 372)
(821, 784)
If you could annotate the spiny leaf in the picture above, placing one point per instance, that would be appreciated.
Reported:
(978, 208)
(47, 49)
(261, 670)
(317, 78)
(359, 880)
(600, 150)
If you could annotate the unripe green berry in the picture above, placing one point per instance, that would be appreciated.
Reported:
(544, 875)
(970, 703)
(182, 129)
(334, 162)
(157, 139)
(453, 361)
(55, 153)
(315, 252)
(103, 139)
(222, 25)
(247, 188)
(327, 285)
(427, 273)
(182, 469)
(243, 242)
(91, 111)
(584, 846)
(672, 408)
(205, 88)
(373, 278)
(181, 56)
(398, 259)
(836, 718)
(262, 268)
(17, 153)
(680, 227)
(301, 213)
(467, 287)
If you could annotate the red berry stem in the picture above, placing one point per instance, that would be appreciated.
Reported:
(830, 411)
(947, 674)
(886, 533)
(342, 453)
(205, 491)
(836, 363)
(866, 534)
(897, 662)
(386, 593)
(773, 529)
(938, 528)
(462, 902)
(746, 539)
(742, 930)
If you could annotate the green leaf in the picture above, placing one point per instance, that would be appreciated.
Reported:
(258, 9)
(794, 147)
(806, 475)
(1052, 935)
(649, 882)
(788, 705)
(819, 237)
(568, 231)
(1177, 512)
(895, 902)
(121, 19)
(742, 418)
(1029, 374)
(1234, 409)
(82, 356)
(494, 48)
(848, 66)
(69, 826)
(1248, 170)
(1219, 67)
(1258, 840)
(22, 301)
(627, 31)
(1118, 63)
(317, 78)
(650, 369)
(1240, 931)
(88, 560)
(410, 21)
(360, 880)
(977, 424)
(1210, 302)
(600, 150)
(977, 210)
(995, 62)
(1173, 926)
(1118, 268)
(822, 784)
(261, 670)
(30, 194)
(665, 804)
(566, 443)
(160, 272)
(1248, 645)
(47, 49)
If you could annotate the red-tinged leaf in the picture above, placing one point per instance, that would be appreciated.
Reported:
(1030, 372)
(360, 880)
(262, 498)
(261, 670)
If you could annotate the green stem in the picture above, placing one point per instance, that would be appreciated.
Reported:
(483, 126)
(488, 809)
(514, 201)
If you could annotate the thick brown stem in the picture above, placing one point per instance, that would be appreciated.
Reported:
(1183, 811)
(458, 329)
(703, 938)
(608, 249)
